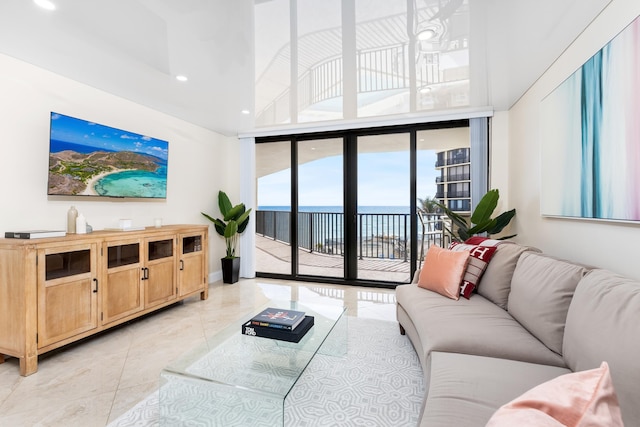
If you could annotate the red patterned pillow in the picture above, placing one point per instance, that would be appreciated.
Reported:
(479, 257)
(475, 240)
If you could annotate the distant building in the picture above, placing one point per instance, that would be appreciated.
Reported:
(453, 186)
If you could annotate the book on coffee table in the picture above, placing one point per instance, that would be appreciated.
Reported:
(278, 318)
(279, 334)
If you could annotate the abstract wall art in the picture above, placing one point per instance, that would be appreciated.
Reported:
(590, 136)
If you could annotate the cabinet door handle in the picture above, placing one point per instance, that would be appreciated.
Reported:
(95, 291)
(145, 273)
(181, 265)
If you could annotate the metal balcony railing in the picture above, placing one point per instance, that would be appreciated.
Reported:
(456, 194)
(380, 235)
(459, 177)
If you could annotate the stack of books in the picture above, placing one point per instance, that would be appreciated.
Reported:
(279, 324)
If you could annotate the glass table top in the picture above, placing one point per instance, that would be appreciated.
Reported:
(264, 365)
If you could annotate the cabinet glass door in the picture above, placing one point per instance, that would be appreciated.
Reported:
(67, 264)
(120, 255)
(159, 272)
(122, 292)
(191, 244)
(67, 293)
(191, 276)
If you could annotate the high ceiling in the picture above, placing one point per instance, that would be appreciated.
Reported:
(135, 48)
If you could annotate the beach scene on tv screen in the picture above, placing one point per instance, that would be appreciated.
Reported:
(89, 159)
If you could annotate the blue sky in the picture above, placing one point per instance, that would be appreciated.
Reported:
(383, 181)
(77, 131)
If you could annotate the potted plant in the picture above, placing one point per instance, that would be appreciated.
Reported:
(480, 221)
(234, 222)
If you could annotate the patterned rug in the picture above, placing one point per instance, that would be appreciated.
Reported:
(378, 383)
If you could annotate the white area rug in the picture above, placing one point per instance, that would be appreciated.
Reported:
(378, 383)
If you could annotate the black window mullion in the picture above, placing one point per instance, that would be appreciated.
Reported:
(294, 207)
(413, 195)
(350, 206)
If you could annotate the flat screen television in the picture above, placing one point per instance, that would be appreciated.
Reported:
(90, 159)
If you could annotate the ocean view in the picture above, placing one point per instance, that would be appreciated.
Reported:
(56, 146)
(328, 221)
(339, 209)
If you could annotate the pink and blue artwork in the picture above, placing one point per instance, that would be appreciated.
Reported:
(590, 136)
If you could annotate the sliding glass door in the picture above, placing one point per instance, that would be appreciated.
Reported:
(320, 198)
(273, 216)
(360, 206)
(383, 207)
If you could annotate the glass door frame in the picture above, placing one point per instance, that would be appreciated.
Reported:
(350, 196)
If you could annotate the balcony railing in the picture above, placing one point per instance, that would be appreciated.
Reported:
(380, 235)
(458, 177)
(457, 194)
(453, 157)
(381, 69)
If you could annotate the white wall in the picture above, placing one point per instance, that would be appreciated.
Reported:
(200, 161)
(499, 158)
(604, 244)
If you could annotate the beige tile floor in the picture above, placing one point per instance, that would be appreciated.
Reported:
(93, 382)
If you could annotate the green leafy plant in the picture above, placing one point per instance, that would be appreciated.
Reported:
(236, 219)
(428, 205)
(480, 221)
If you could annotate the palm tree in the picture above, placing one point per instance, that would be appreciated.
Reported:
(428, 208)
(428, 205)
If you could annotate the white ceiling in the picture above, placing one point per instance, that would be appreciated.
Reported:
(135, 48)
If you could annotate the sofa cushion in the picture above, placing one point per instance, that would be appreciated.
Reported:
(541, 291)
(603, 324)
(473, 326)
(496, 280)
(443, 270)
(580, 399)
(465, 390)
(479, 257)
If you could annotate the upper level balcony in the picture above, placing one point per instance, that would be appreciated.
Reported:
(453, 157)
(385, 70)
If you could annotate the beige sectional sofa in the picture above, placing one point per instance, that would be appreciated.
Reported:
(533, 319)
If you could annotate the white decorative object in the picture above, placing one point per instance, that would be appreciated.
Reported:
(157, 222)
(81, 224)
(125, 223)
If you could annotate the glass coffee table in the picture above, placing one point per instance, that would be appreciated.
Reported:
(240, 380)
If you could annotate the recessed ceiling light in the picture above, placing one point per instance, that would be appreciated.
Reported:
(181, 78)
(45, 4)
(245, 112)
(427, 34)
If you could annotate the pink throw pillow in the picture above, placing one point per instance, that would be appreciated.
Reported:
(580, 399)
(443, 270)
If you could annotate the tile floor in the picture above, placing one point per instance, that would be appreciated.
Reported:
(93, 382)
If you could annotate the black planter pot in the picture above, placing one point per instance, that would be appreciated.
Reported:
(230, 269)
